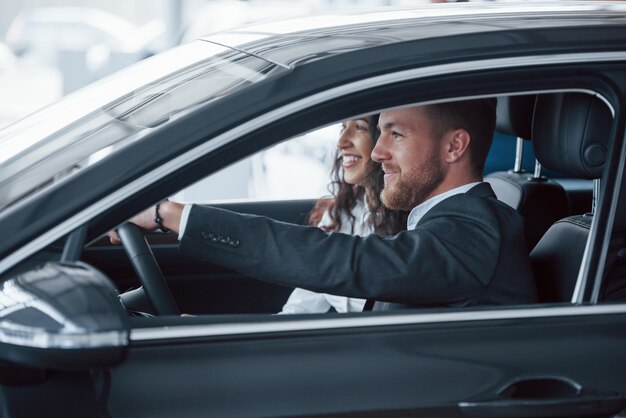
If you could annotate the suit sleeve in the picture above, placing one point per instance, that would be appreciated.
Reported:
(303, 301)
(451, 256)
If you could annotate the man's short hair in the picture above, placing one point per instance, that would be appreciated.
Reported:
(477, 117)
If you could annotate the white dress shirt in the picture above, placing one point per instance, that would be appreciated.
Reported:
(420, 210)
(305, 301)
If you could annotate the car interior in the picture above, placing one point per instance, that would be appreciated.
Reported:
(572, 132)
(569, 134)
(518, 188)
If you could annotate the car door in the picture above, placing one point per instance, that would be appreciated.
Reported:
(541, 360)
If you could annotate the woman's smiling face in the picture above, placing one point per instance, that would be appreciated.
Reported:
(355, 146)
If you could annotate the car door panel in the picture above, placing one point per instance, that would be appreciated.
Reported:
(406, 370)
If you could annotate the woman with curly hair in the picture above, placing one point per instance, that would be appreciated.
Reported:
(354, 208)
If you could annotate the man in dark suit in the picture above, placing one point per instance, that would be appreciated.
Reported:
(462, 247)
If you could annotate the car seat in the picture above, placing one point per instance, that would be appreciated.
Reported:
(539, 200)
(570, 134)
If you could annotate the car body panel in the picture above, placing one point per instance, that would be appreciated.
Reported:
(491, 29)
(407, 369)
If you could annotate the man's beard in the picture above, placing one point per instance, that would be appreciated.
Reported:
(413, 187)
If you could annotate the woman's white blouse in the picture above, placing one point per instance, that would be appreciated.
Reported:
(305, 301)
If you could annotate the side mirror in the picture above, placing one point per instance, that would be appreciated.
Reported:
(63, 316)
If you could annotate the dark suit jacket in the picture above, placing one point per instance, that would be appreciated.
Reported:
(469, 249)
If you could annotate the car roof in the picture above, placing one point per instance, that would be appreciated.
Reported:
(302, 40)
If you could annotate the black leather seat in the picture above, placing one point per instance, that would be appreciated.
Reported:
(614, 285)
(539, 200)
(570, 134)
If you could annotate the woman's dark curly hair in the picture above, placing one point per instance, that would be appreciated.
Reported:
(345, 196)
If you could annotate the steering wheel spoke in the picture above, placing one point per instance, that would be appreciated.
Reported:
(145, 265)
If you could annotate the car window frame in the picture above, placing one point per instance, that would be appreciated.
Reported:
(325, 100)
(321, 103)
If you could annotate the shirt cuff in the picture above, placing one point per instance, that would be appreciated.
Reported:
(183, 221)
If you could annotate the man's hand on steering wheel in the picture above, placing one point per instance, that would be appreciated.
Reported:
(169, 213)
(164, 215)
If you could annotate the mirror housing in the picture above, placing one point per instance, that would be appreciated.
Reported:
(62, 316)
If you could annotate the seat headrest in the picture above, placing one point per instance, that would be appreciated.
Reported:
(571, 132)
(515, 114)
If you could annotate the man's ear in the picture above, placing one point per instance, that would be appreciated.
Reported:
(457, 143)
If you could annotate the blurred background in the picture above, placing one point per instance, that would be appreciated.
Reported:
(50, 48)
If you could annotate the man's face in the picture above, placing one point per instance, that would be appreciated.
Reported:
(410, 157)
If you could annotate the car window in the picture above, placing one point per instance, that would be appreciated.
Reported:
(267, 175)
(299, 169)
(295, 169)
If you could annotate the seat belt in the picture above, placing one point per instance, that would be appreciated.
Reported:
(369, 305)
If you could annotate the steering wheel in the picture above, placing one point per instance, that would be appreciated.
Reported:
(147, 268)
